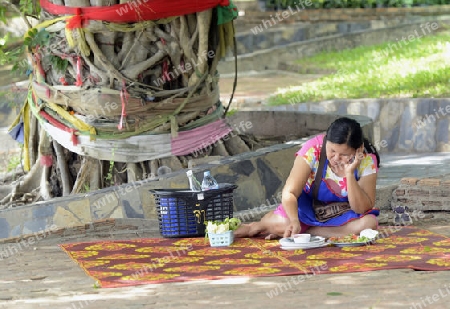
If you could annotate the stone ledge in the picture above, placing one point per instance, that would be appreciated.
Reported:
(414, 130)
(256, 37)
(383, 198)
(269, 57)
(346, 14)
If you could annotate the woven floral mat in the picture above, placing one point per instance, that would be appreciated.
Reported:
(121, 263)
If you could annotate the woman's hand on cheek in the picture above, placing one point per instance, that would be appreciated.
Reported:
(353, 164)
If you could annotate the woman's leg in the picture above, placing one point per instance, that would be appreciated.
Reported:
(352, 227)
(270, 224)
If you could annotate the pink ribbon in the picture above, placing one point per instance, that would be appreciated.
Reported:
(124, 99)
(79, 82)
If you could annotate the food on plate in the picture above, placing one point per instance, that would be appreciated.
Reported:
(351, 238)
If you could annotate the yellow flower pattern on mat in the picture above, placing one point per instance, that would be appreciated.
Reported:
(394, 258)
(90, 264)
(444, 262)
(398, 240)
(83, 254)
(331, 255)
(271, 245)
(425, 250)
(111, 246)
(104, 274)
(237, 245)
(213, 252)
(389, 230)
(421, 233)
(189, 242)
(191, 269)
(274, 264)
(258, 255)
(374, 248)
(357, 266)
(182, 259)
(252, 271)
(149, 277)
(174, 251)
(135, 266)
(148, 261)
(124, 257)
(303, 264)
(272, 253)
(444, 243)
(226, 261)
(285, 253)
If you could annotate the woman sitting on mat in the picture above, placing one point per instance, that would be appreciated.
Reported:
(349, 173)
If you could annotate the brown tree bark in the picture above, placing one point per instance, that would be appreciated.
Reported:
(135, 57)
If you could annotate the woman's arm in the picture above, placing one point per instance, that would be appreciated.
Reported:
(361, 194)
(293, 188)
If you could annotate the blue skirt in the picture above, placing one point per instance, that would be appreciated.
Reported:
(306, 213)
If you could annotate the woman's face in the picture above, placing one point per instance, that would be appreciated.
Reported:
(339, 154)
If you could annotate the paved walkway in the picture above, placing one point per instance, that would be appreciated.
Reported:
(424, 165)
(44, 277)
(254, 88)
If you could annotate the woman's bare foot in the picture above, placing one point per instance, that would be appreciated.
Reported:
(249, 230)
(242, 231)
(272, 236)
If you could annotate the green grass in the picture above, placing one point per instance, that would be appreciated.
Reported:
(420, 68)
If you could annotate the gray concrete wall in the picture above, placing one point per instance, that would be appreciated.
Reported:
(272, 58)
(401, 125)
(262, 36)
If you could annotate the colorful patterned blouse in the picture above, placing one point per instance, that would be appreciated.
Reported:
(310, 151)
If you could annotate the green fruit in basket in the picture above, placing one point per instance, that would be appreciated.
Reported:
(234, 223)
(217, 227)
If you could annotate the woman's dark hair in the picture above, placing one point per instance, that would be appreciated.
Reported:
(348, 131)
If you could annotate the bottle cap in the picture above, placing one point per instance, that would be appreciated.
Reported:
(164, 170)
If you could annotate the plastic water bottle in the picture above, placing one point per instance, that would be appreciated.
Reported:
(209, 182)
(194, 184)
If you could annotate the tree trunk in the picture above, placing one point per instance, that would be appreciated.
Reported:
(153, 64)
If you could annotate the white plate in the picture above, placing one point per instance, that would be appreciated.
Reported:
(289, 244)
(301, 246)
(289, 241)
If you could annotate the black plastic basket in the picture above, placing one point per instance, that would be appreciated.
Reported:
(183, 213)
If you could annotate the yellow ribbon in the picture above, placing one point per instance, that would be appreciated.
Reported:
(45, 24)
(25, 116)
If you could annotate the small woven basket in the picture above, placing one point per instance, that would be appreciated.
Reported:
(221, 240)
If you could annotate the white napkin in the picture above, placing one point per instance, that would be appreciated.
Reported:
(369, 233)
